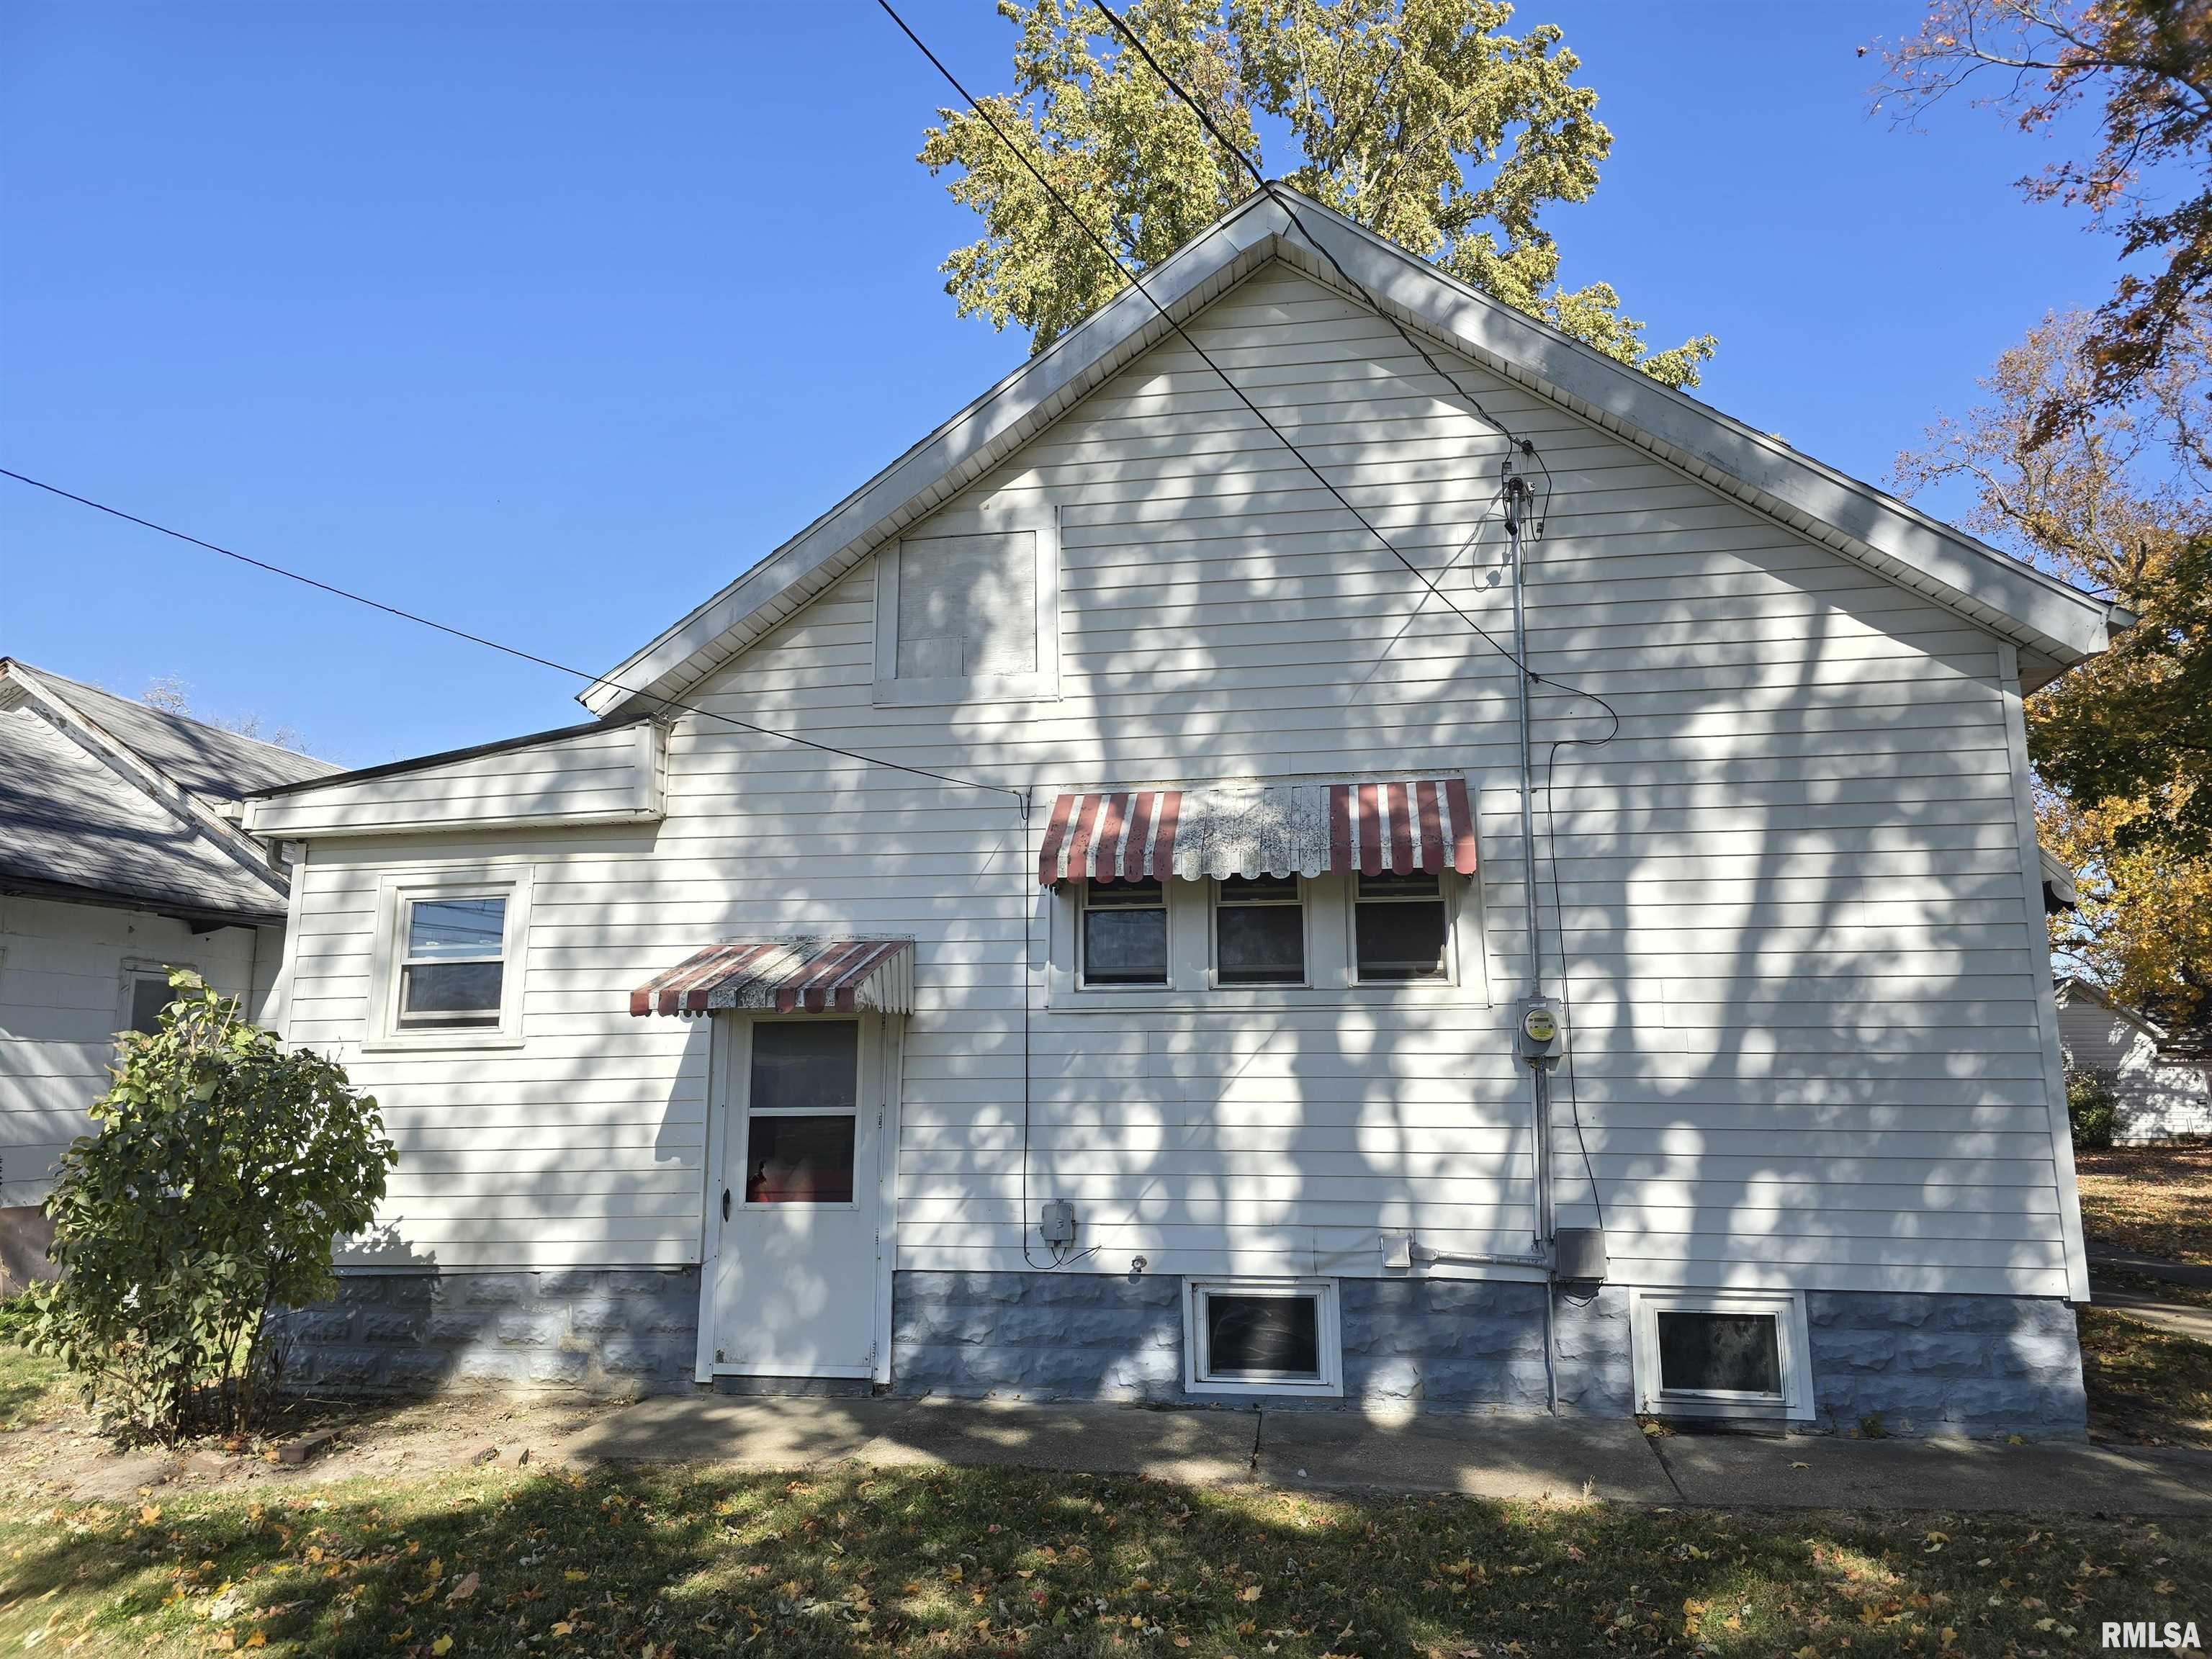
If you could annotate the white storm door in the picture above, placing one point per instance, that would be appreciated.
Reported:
(795, 1283)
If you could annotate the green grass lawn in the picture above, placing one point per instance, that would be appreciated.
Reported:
(652, 1563)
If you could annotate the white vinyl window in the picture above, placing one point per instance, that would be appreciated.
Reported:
(1715, 1353)
(146, 993)
(448, 970)
(1258, 931)
(1261, 1336)
(1401, 929)
(1124, 927)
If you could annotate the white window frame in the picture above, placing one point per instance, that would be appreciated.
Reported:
(742, 1128)
(1122, 988)
(1193, 985)
(1298, 898)
(1329, 1332)
(135, 969)
(1445, 896)
(1038, 518)
(394, 895)
(1793, 1342)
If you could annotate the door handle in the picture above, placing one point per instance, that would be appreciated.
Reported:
(725, 1203)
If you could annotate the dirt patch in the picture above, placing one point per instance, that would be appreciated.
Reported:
(62, 1452)
(2154, 1199)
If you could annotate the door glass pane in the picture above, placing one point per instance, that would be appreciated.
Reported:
(148, 998)
(799, 1160)
(456, 992)
(1737, 1352)
(1259, 944)
(805, 1065)
(456, 927)
(1269, 1335)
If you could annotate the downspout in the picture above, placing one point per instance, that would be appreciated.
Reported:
(1540, 1102)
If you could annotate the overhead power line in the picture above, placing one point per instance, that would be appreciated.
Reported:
(667, 703)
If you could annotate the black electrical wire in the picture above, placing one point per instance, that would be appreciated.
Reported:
(1136, 281)
(667, 703)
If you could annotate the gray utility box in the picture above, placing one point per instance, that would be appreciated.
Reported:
(1580, 1255)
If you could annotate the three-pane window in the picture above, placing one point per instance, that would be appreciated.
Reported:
(453, 962)
(1125, 934)
(1258, 931)
(1399, 928)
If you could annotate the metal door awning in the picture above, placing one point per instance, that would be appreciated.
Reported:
(1394, 827)
(797, 974)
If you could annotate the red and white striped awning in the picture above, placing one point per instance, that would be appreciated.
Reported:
(1260, 829)
(800, 973)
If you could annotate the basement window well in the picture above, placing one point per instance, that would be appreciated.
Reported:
(1261, 1336)
(1722, 1354)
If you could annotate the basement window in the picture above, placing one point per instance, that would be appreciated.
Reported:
(1261, 1336)
(1722, 1354)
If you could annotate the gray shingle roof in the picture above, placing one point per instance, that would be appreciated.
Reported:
(214, 764)
(70, 823)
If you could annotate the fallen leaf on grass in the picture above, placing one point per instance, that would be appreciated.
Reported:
(462, 1591)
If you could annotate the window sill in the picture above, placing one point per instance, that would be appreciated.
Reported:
(1257, 999)
(421, 1041)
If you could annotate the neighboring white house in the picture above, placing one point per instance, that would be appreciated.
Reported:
(2162, 1085)
(120, 857)
(1161, 1032)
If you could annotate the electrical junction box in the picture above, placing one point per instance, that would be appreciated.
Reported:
(1578, 1255)
(1059, 1224)
(1539, 1032)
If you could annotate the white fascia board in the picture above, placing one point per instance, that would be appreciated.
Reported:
(942, 461)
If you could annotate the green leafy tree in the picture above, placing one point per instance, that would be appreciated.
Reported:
(221, 1173)
(2118, 500)
(2145, 68)
(1422, 120)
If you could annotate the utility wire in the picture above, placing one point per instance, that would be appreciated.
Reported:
(1136, 281)
(668, 703)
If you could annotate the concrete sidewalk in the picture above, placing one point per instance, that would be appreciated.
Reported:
(1504, 1457)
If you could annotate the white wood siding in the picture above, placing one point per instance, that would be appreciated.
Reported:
(61, 1000)
(1807, 1044)
(612, 775)
(2157, 1099)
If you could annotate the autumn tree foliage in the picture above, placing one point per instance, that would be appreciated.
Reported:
(2116, 499)
(1424, 120)
(2145, 66)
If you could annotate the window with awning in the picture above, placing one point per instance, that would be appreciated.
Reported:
(1393, 826)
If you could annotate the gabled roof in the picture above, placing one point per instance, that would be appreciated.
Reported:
(213, 764)
(106, 801)
(2053, 625)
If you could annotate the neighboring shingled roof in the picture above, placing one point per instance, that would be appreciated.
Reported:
(214, 764)
(70, 825)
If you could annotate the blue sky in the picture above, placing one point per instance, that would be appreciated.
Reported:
(548, 319)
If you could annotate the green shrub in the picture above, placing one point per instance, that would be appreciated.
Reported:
(220, 1173)
(2090, 1107)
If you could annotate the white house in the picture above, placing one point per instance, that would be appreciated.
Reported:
(1169, 1026)
(2161, 1081)
(120, 858)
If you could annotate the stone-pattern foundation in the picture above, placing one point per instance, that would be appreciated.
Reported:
(1454, 1344)
(605, 1331)
(1945, 1364)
